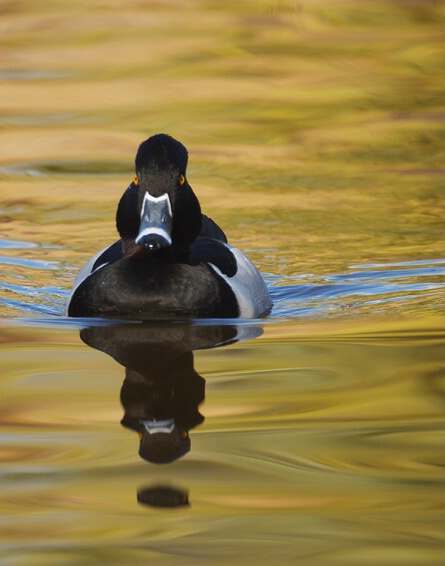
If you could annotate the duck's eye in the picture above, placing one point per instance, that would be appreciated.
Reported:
(136, 180)
(181, 179)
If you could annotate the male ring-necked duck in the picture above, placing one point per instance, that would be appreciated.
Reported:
(172, 260)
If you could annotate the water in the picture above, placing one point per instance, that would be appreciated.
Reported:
(315, 140)
(319, 444)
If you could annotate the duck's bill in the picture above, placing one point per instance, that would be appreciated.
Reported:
(156, 222)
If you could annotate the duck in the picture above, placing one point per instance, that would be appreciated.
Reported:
(171, 260)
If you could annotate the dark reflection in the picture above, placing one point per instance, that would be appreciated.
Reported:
(163, 497)
(161, 392)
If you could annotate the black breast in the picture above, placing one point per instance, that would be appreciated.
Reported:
(154, 289)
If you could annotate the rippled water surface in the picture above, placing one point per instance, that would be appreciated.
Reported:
(315, 139)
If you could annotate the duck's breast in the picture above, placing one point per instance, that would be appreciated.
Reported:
(153, 289)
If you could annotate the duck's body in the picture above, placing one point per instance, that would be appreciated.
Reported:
(171, 261)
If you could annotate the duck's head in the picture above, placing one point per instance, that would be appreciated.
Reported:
(159, 212)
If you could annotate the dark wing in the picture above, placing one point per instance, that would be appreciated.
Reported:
(211, 230)
(110, 255)
(208, 250)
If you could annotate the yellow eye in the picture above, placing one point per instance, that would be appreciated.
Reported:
(181, 179)
(136, 180)
(140, 435)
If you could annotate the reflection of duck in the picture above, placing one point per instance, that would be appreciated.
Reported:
(162, 391)
(162, 496)
(171, 261)
(163, 409)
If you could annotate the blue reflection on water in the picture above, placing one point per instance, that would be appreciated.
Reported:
(362, 287)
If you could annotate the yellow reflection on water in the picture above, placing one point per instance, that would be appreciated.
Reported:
(333, 436)
(319, 124)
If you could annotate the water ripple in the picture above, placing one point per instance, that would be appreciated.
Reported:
(387, 285)
(16, 244)
(76, 169)
(30, 263)
(361, 287)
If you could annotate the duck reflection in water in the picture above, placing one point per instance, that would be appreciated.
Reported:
(161, 392)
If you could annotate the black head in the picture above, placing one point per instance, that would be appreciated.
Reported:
(159, 213)
(162, 153)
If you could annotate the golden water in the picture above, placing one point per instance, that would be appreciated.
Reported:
(314, 131)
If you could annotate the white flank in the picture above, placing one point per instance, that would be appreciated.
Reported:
(248, 285)
(85, 272)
